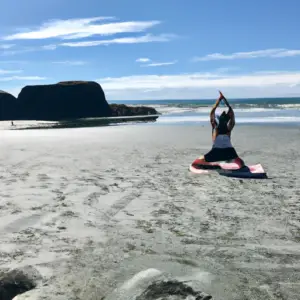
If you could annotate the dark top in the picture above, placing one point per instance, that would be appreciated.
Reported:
(222, 125)
(222, 129)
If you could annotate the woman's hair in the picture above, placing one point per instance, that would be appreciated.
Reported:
(223, 120)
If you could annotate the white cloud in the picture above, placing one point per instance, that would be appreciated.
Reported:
(181, 85)
(160, 64)
(25, 78)
(198, 80)
(226, 69)
(287, 53)
(10, 71)
(143, 60)
(271, 53)
(192, 85)
(81, 28)
(154, 64)
(149, 38)
(27, 49)
(125, 40)
(14, 52)
(13, 62)
(6, 46)
(49, 47)
(71, 63)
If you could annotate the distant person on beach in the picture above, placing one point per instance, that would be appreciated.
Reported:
(12, 123)
(222, 126)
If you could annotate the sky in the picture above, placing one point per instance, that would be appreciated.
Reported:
(166, 49)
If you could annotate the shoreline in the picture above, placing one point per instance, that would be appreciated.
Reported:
(128, 121)
(84, 122)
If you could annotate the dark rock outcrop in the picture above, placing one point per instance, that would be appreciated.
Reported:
(8, 106)
(18, 281)
(68, 100)
(62, 101)
(124, 110)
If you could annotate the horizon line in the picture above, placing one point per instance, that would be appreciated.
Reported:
(211, 99)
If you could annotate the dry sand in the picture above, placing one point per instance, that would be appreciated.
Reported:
(90, 208)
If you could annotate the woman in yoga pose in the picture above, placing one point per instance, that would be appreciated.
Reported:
(222, 126)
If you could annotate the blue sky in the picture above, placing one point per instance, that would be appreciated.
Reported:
(154, 49)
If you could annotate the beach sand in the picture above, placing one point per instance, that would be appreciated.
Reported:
(89, 208)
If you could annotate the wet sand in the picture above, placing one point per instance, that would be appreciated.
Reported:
(89, 208)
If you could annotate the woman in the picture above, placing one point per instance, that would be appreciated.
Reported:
(222, 126)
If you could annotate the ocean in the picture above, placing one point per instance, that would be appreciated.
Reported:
(247, 111)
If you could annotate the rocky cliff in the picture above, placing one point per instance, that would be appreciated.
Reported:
(62, 101)
(124, 110)
(8, 106)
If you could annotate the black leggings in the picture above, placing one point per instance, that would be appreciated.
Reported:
(220, 154)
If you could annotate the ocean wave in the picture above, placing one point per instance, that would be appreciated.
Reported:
(170, 110)
(202, 119)
(290, 106)
(182, 108)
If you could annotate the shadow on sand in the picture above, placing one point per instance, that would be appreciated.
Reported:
(86, 122)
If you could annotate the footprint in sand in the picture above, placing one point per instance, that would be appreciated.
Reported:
(22, 223)
(43, 177)
(69, 213)
(92, 199)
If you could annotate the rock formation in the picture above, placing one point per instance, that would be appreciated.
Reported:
(8, 105)
(62, 101)
(124, 110)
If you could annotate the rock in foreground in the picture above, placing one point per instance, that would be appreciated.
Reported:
(172, 290)
(18, 281)
(152, 284)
